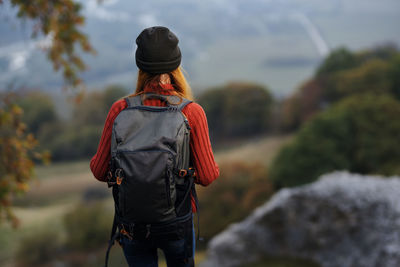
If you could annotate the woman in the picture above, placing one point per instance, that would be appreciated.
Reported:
(158, 58)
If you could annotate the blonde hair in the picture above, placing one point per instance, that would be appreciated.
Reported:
(178, 81)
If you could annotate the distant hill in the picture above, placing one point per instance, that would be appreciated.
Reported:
(277, 43)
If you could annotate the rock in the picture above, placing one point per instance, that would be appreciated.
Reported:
(340, 220)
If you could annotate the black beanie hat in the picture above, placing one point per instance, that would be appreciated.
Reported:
(157, 50)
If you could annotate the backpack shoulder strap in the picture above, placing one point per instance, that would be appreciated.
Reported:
(133, 101)
(183, 104)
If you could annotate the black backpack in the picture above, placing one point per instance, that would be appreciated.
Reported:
(150, 171)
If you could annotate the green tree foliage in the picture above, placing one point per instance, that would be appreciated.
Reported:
(84, 231)
(343, 73)
(112, 93)
(343, 59)
(394, 75)
(38, 110)
(240, 188)
(74, 143)
(93, 108)
(237, 110)
(59, 19)
(339, 59)
(87, 226)
(359, 134)
(39, 247)
(76, 137)
(79, 137)
(373, 76)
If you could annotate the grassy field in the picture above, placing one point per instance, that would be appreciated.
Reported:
(260, 150)
(59, 187)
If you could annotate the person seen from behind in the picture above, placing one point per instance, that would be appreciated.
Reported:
(154, 147)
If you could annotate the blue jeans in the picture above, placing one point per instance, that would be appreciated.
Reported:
(143, 253)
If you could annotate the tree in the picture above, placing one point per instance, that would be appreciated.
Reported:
(237, 110)
(342, 74)
(359, 134)
(79, 137)
(60, 19)
(394, 75)
(94, 106)
(16, 154)
(302, 105)
(370, 77)
(38, 110)
(241, 188)
(338, 60)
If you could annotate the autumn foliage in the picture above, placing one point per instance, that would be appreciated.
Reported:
(60, 20)
(17, 151)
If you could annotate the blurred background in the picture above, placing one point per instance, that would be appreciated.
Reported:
(292, 89)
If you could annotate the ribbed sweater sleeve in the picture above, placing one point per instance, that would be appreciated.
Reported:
(200, 146)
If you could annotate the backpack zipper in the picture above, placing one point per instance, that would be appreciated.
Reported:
(151, 108)
(147, 150)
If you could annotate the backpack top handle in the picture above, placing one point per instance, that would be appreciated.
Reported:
(173, 102)
(167, 99)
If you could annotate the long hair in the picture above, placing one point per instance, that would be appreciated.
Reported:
(178, 81)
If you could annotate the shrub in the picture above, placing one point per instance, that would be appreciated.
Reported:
(38, 110)
(370, 77)
(39, 247)
(237, 110)
(359, 134)
(74, 143)
(93, 108)
(88, 226)
(240, 188)
(339, 59)
(302, 105)
(342, 74)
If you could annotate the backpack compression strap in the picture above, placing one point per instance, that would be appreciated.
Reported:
(115, 234)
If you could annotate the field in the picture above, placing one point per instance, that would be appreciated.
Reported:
(260, 150)
(59, 187)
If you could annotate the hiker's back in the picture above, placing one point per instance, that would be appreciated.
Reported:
(145, 156)
(149, 151)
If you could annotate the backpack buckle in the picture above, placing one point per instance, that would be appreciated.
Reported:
(192, 172)
(124, 232)
(119, 176)
(183, 172)
(110, 182)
